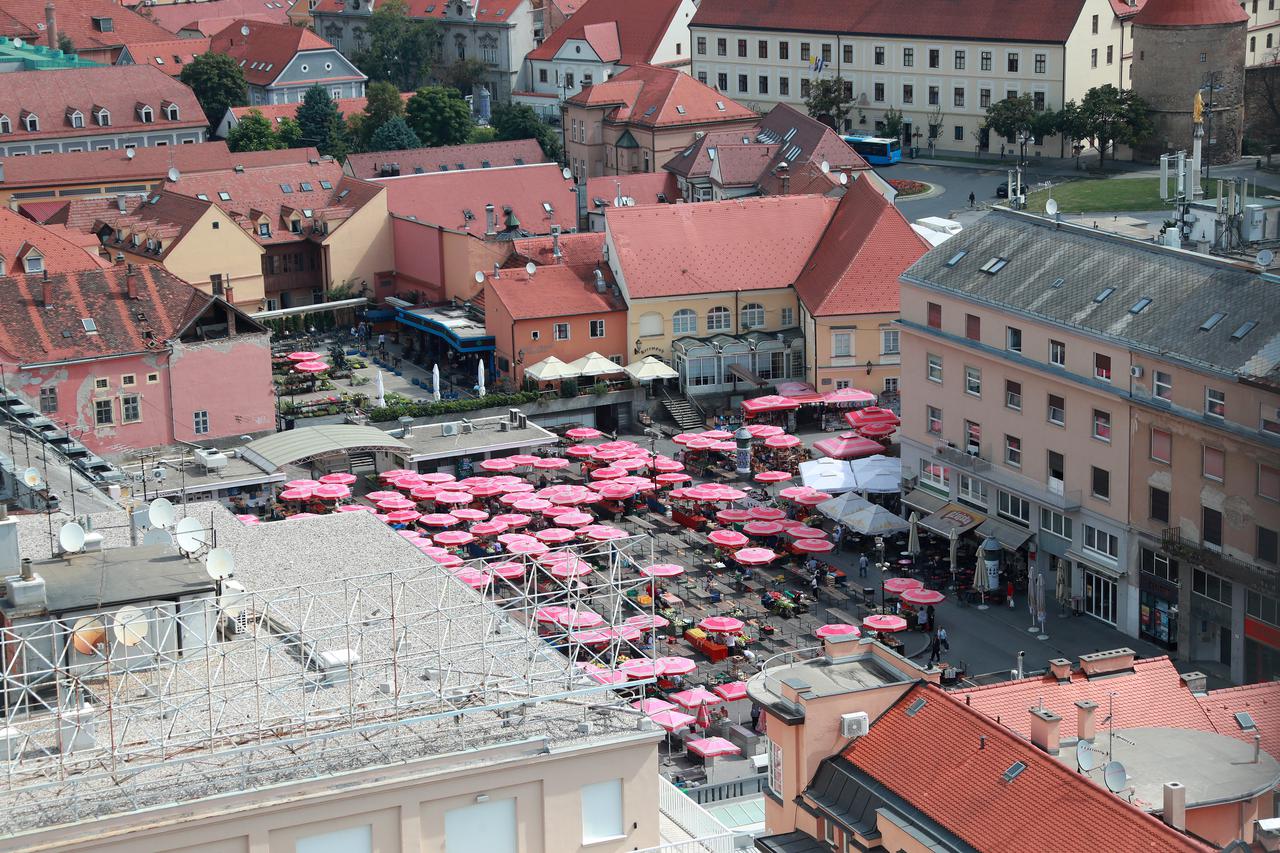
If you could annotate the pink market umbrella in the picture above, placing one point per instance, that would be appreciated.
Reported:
(522, 459)
(551, 463)
(605, 676)
(302, 484)
(356, 508)
(581, 451)
(487, 490)
(848, 447)
(694, 697)
(755, 556)
(531, 504)
(497, 465)
(671, 479)
(392, 473)
(848, 396)
(667, 465)
(640, 484)
(634, 463)
(459, 498)
(725, 446)
(616, 491)
(647, 622)
(403, 516)
(507, 570)
(793, 492)
(448, 561)
(555, 535)
(676, 665)
(684, 438)
(871, 415)
(782, 441)
(393, 504)
(583, 433)
(662, 570)
(579, 618)
(408, 482)
(295, 495)
(812, 498)
(762, 528)
(610, 454)
(339, 477)
(248, 520)
(310, 367)
(649, 707)
(710, 747)
(641, 668)
(885, 623)
(721, 625)
(717, 434)
(603, 532)
(331, 491)
(900, 585)
(302, 515)
(625, 446)
(763, 431)
(517, 488)
(766, 513)
(574, 518)
(769, 403)
(437, 477)
(732, 516)
(700, 443)
(383, 496)
(512, 538)
(772, 477)
(512, 519)
(670, 720)
(876, 431)
(922, 596)
(608, 473)
(728, 538)
(474, 578)
(555, 511)
(568, 571)
(732, 691)
(590, 637)
(626, 633)
(469, 514)
(409, 534)
(814, 546)
(438, 519)
(529, 547)
(453, 538)
(488, 528)
(837, 629)
(551, 614)
(304, 355)
(804, 531)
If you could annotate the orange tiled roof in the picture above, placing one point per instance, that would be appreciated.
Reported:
(25, 19)
(165, 216)
(275, 112)
(267, 49)
(558, 290)
(644, 187)
(442, 198)
(1260, 701)
(627, 31)
(179, 16)
(482, 155)
(62, 253)
(169, 56)
(487, 11)
(586, 247)
(652, 96)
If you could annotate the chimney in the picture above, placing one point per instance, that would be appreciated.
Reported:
(1060, 668)
(1086, 725)
(131, 282)
(229, 294)
(1197, 682)
(121, 204)
(46, 291)
(600, 285)
(1044, 729)
(555, 233)
(490, 221)
(1175, 806)
(1105, 663)
(51, 26)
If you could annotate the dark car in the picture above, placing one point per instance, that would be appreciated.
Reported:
(1002, 189)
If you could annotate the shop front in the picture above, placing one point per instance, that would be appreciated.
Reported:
(1100, 590)
(1158, 598)
(1261, 637)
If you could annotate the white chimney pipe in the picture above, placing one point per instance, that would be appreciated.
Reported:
(1175, 806)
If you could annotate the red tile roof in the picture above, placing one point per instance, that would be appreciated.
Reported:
(440, 198)
(855, 267)
(583, 248)
(948, 761)
(166, 217)
(169, 56)
(653, 96)
(62, 253)
(25, 19)
(1260, 701)
(1151, 696)
(482, 155)
(644, 187)
(1049, 21)
(267, 49)
(671, 250)
(741, 165)
(487, 11)
(1190, 13)
(179, 16)
(558, 290)
(147, 164)
(31, 333)
(695, 161)
(628, 31)
(275, 112)
(1124, 11)
(52, 94)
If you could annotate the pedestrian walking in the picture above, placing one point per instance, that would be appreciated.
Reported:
(935, 650)
(755, 717)
(942, 638)
(837, 535)
(972, 199)
(922, 620)
(863, 562)
(1009, 594)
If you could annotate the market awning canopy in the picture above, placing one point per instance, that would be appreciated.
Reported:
(953, 516)
(1010, 535)
(827, 475)
(768, 403)
(649, 368)
(550, 369)
(297, 446)
(838, 447)
(923, 500)
(594, 364)
(878, 474)
(859, 514)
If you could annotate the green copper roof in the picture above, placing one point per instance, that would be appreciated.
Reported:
(18, 55)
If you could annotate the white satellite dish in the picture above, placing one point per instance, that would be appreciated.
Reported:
(479, 276)
(71, 538)
(826, 167)
(189, 535)
(31, 477)
(158, 536)
(173, 174)
(1086, 758)
(231, 602)
(219, 563)
(244, 30)
(530, 268)
(160, 513)
(1115, 776)
(844, 178)
(567, 172)
(130, 153)
(129, 626)
(1265, 257)
(1051, 207)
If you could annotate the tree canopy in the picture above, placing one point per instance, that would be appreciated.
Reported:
(218, 84)
(519, 121)
(830, 100)
(398, 48)
(321, 123)
(394, 135)
(254, 133)
(1108, 116)
(439, 116)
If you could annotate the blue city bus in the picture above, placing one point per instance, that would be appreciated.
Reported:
(875, 150)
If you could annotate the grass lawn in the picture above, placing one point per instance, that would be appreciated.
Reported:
(1104, 195)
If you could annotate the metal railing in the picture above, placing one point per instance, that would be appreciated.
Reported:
(706, 834)
(721, 792)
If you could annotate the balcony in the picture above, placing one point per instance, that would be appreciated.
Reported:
(1219, 562)
(687, 827)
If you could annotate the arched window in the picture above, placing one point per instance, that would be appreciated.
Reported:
(719, 319)
(752, 316)
(145, 115)
(32, 122)
(651, 324)
(171, 112)
(5, 125)
(684, 322)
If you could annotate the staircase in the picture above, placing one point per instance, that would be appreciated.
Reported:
(686, 413)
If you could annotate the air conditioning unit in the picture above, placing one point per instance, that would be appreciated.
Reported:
(211, 459)
(449, 429)
(158, 473)
(467, 428)
(504, 426)
(1135, 371)
(854, 725)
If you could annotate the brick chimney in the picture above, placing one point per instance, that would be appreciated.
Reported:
(1044, 729)
(229, 294)
(1060, 668)
(1105, 663)
(46, 291)
(1197, 682)
(1086, 724)
(51, 25)
(131, 282)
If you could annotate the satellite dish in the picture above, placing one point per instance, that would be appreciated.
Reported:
(844, 178)
(1086, 759)
(189, 535)
(174, 174)
(231, 602)
(244, 30)
(129, 626)
(157, 536)
(530, 268)
(219, 563)
(71, 538)
(130, 153)
(1051, 207)
(826, 167)
(567, 172)
(1265, 257)
(160, 513)
(88, 633)
(1115, 776)
(479, 276)
(31, 477)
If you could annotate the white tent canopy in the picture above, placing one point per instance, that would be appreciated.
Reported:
(650, 368)
(550, 369)
(594, 364)
(879, 474)
(860, 515)
(832, 476)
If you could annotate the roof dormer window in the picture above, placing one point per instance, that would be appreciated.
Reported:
(75, 117)
(104, 25)
(102, 116)
(171, 111)
(31, 122)
(33, 262)
(6, 126)
(3, 267)
(145, 114)
(264, 229)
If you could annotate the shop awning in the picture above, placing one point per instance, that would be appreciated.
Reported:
(747, 376)
(953, 516)
(922, 500)
(768, 403)
(1096, 566)
(1010, 535)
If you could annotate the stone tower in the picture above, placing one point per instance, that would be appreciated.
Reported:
(1178, 46)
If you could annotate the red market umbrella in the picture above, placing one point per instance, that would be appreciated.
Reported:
(848, 397)
(304, 355)
(411, 535)
(603, 532)
(649, 707)
(522, 459)
(392, 473)
(403, 516)
(667, 465)
(497, 465)
(922, 596)
(583, 433)
(676, 665)
(804, 531)
(605, 676)
(685, 437)
(487, 490)
(762, 528)
(438, 519)
(837, 629)
(732, 691)
(424, 492)
(383, 496)
(732, 516)
(340, 477)
(573, 518)
(670, 720)
(700, 443)
(568, 571)
(755, 556)
(608, 473)
(855, 447)
(488, 528)
(772, 477)
(814, 546)
(877, 430)
(302, 484)
(812, 498)
(768, 403)
(527, 546)
(474, 578)
(248, 520)
(717, 434)
(512, 519)
(469, 514)
(393, 504)
(766, 513)
(453, 537)
(453, 498)
(310, 367)
(356, 508)
(555, 535)
(728, 538)
(331, 491)
(642, 668)
(694, 697)
(615, 491)
(303, 515)
(871, 415)
(793, 492)
(901, 585)
(581, 451)
(782, 441)
(721, 624)
(626, 633)
(763, 431)
(671, 479)
(885, 623)
(437, 477)
(507, 570)
(295, 495)
(551, 463)
(579, 618)
(647, 622)
(662, 570)
(528, 504)
(709, 747)
(551, 614)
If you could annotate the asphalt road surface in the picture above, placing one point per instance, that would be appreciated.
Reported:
(957, 182)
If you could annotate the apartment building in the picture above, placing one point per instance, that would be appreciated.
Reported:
(282, 62)
(1053, 376)
(942, 65)
(1264, 32)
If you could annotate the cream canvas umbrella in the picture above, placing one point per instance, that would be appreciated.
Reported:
(913, 538)
(649, 368)
(550, 369)
(954, 537)
(1063, 593)
(380, 396)
(593, 364)
(480, 378)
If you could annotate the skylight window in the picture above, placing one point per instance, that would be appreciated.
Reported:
(914, 707)
(305, 187)
(1102, 297)
(484, 164)
(651, 111)
(1057, 282)
(546, 205)
(790, 133)
(994, 265)
(1138, 306)
(1245, 328)
(1245, 721)
(306, 211)
(89, 325)
(202, 196)
(418, 170)
(343, 194)
(720, 106)
(680, 108)
(1214, 320)
(286, 189)
(519, 161)
(325, 185)
(224, 195)
(956, 258)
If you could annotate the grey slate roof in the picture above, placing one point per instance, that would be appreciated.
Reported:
(1185, 290)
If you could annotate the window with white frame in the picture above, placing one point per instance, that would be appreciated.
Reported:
(602, 811)
(352, 839)
(936, 476)
(1056, 523)
(933, 420)
(1162, 385)
(752, 315)
(891, 385)
(104, 412)
(560, 331)
(1013, 451)
(1215, 403)
(775, 768)
(200, 422)
(1057, 410)
(934, 368)
(971, 489)
(719, 319)
(1101, 542)
(48, 401)
(1102, 367)
(493, 821)
(1058, 353)
(1213, 463)
(788, 317)
(973, 438)
(889, 342)
(841, 345)
(1102, 425)
(1013, 339)
(597, 328)
(973, 381)
(684, 322)
(1014, 508)
(1013, 395)
(130, 408)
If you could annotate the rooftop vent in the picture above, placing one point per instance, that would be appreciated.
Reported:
(1245, 721)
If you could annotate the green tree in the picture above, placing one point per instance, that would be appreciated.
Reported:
(830, 101)
(893, 122)
(1011, 116)
(321, 123)
(1108, 116)
(439, 116)
(65, 44)
(394, 135)
(218, 84)
(290, 133)
(519, 121)
(482, 134)
(382, 103)
(398, 48)
(464, 75)
(253, 133)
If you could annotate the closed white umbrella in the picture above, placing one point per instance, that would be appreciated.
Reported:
(913, 538)
(435, 382)
(480, 379)
(380, 397)
(1064, 583)
(954, 538)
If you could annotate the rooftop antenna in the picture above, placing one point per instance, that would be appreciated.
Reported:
(173, 174)
(161, 513)
(219, 563)
(826, 167)
(244, 29)
(530, 268)
(1051, 207)
(1115, 777)
(844, 178)
(1086, 758)
(567, 173)
(479, 276)
(189, 534)
(1263, 259)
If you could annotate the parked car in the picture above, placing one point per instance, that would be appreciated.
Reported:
(1002, 189)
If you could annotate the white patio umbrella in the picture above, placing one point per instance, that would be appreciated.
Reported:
(873, 520)
(913, 538)
(480, 378)
(594, 364)
(649, 368)
(380, 395)
(550, 369)
(1064, 583)
(879, 474)
(435, 382)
